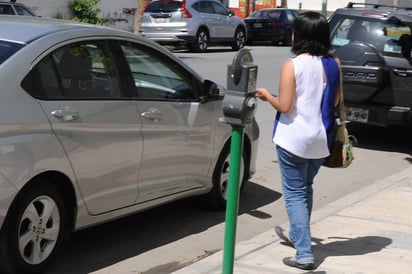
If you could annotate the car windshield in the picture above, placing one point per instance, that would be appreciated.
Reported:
(388, 37)
(7, 49)
(164, 6)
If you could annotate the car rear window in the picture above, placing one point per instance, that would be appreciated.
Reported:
(266, 14)
(384, 35)
(164, 6)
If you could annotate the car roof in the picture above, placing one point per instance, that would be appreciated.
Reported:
(23, 29)
(377, 11)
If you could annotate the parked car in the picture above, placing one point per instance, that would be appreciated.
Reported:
(9, 8)
(374, 45)
(274, 24)
(96, 124)
(196, 23)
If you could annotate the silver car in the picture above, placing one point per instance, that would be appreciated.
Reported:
(9, 8)
(197, 23)
(95, 124)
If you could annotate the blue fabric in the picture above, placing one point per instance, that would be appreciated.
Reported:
(297, 175)
(328, 101)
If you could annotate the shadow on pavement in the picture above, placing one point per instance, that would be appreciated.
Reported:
(382, 138)
(349, 247)
(101, 246)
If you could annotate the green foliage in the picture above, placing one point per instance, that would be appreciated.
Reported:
(84, 11)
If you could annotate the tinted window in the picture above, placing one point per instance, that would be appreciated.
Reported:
(156, 76)
(290, 15)
(204, 6)
(7, 49)
(76, 71)
(6, 9)
(164, 6)
(219, 9)
(386, 37)
(23, 11)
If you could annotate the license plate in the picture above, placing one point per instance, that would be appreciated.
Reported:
(160, 20)
(257, 25)
(357, 114)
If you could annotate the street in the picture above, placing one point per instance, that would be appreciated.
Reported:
(164, 239)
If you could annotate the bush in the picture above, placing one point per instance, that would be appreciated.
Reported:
(84, 11)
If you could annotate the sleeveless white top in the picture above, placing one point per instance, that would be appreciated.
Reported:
(301, 130)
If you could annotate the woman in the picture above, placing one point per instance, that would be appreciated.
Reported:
(308, 92)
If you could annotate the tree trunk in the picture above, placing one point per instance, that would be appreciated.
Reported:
(141, 4)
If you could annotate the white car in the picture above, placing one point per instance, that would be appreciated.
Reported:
(196, 23)
(96, 124)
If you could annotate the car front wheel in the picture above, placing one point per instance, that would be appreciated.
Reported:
(240, 40)
(33, 230)
(218, 194)
(202, 41)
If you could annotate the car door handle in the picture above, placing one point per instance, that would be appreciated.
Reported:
(152, 114)
(403, 72)
(65, 114)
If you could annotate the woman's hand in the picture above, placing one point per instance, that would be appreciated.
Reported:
(263, 94)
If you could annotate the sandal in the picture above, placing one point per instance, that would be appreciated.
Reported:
(281, 234)
(290, 261)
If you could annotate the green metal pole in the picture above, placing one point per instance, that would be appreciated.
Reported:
(232, 199)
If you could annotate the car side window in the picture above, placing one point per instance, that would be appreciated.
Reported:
(6, 9)
(22, 11)
(290, 15)
(156, 76)
(204, 6)
(219, 9)
(82, 70)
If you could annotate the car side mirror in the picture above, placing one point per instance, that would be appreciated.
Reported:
(231, 13)
(213, 91)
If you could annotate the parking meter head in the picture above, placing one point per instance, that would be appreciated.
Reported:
(239, 103)
(243, 57)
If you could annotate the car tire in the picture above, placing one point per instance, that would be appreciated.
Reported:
(287, 38)
(240, 40)
(217, 197)
(202, 41)
(28, 241)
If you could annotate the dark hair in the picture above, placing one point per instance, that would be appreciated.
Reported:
(311, 34)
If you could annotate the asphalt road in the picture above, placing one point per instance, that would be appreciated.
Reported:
(164, 239)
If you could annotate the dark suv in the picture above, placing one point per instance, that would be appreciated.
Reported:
(374, 45)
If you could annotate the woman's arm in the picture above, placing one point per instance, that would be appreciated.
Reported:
(337, 96)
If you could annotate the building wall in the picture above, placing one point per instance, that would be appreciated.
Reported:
(119, 13)
(316, 5)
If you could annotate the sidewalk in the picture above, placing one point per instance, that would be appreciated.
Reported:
(369, 231)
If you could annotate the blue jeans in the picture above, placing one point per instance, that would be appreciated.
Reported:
(297, 176)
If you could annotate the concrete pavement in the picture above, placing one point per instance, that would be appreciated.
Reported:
(369, 231)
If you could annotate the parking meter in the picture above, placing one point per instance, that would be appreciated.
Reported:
(239, 106)
(239, 103)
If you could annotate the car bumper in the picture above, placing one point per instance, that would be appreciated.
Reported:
(380, 115)
(264, 35)
(166, 38)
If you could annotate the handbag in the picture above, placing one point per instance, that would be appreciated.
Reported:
(341, 154)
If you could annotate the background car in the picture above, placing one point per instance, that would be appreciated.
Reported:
(196, 23)
(8, 8)
(374, 45)
(95, 124)
(273, 25)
